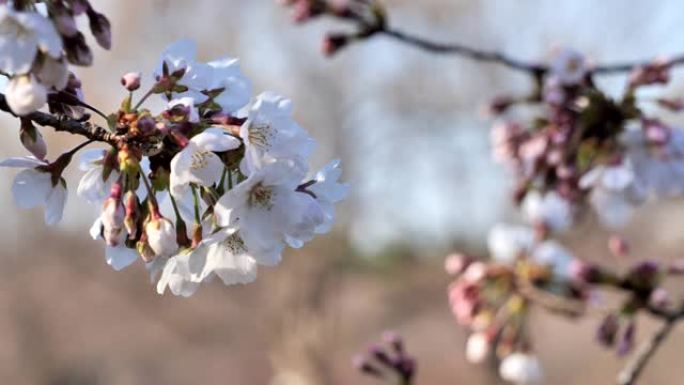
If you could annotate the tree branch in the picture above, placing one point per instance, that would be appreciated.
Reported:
(85, 129)
(631, 372)
(501, 58)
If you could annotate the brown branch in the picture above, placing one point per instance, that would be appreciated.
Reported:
(501, 58)
(86, 129)
(371, 20)
(631, 372)
(463, 51)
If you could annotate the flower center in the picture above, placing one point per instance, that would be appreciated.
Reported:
(260, 135)
(199, 159)
(235, 244)
(261, 196)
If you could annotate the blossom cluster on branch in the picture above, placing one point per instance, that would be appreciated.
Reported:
(572, 149)
(211, 186)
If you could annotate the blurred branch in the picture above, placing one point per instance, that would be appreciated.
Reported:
(370, 18)
(462, 50)
(85, 129)
(630, 374)
(502, 59)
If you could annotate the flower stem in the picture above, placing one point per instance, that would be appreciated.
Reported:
(142, 100)
(150, 191)
(195, 197)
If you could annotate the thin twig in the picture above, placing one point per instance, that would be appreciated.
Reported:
(463, 50)
(630, 374)
(502, 59)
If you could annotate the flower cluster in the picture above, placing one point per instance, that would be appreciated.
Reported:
(393, 365)
(585, 146)
(214, 185)
(38, 41)
(492, 297)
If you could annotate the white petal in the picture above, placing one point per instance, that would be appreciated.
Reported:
(91, 158)
(54, 207)
(96, 229)
(31, 188)
(216, 140)
(120, 257)
(22, 162)
(24, 94)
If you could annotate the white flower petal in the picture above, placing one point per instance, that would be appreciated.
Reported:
(22, 162)
(31, 188)
(54, 206)
(120, 257)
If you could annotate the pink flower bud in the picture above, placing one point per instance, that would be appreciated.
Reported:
(131, 81)
(618, 246)
(113, 216)
(455, 264)
(131, 210)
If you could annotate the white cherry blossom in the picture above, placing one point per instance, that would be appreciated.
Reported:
(197, 163)
(93, 188)
(229, 259)
(615, 192)
(119, 256)
(569, 67)
(221, 74)
(35, 187)
(521, 368)
(508, 242)
(261, 207)
(328, 191)
(23, 35)
(270, 134)
(549, 209)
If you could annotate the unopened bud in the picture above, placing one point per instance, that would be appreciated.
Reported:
(131, 81)
(77, 50)
(101, 28)
(478, 348)
(161, 236)
(645, 275)
(65, 24)
(334, 42)
(618, 246)
(32, 139)
(660, 298)
(131, 209)
(113, 216)
(627, 341)
(394, 340)
(456, 264)
(608, 329)
(582, 272)
(656, 132)
(128, 163)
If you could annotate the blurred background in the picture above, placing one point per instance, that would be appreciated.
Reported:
(414, 146)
